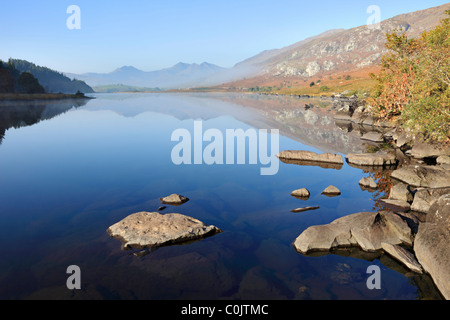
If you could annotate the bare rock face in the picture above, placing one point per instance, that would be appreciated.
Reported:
(311, 156)
(431, 244)
(152, 229)
(367, 230)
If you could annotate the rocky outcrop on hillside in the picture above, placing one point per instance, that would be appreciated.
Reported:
(339, 51)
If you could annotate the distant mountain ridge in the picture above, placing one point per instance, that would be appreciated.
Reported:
(181, 75)
(339, 51)
(333, 52)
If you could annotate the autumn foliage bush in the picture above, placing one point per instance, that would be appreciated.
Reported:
(413, 87)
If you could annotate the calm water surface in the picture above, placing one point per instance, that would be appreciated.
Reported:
(69, 171)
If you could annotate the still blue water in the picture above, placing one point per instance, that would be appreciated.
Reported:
(68, 177)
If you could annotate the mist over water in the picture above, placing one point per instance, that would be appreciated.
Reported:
(66, 179)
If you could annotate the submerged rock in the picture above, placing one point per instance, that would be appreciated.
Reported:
(431, 244)
(305, 209)
(152, 229)
(367, 230)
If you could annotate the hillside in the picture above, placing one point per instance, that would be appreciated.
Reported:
(52, 81)
(332, 54)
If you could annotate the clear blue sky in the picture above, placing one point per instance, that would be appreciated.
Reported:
(152, 34)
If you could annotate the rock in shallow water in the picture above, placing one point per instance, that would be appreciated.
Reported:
(311, 156)
(372, 159)
(331, 191)
(303, 194)
(174, 199)
(366, 230)
(152, 229)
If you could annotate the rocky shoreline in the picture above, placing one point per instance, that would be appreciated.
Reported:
(414, 226)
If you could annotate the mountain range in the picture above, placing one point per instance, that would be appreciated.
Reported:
(337, 51)
(181, 75)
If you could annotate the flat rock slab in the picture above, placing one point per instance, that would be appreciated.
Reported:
(152, 229)
(372, 159)
(367, 230)
(373, 136)
(311, 156)
(404, 256)
(423, 176)
(305, 209)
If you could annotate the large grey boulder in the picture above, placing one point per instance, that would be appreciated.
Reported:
(423, 176)
(311, 156)
(400, 191)
(427, 150)
(431, 244)
(367, 230)
(372, 159)
(424, 198)
(152, 229)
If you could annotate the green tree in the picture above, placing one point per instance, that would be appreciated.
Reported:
(29, 84)
(413, 87)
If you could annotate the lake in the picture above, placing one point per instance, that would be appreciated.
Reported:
(69, 170)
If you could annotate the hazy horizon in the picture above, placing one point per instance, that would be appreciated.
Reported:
(152, 36)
